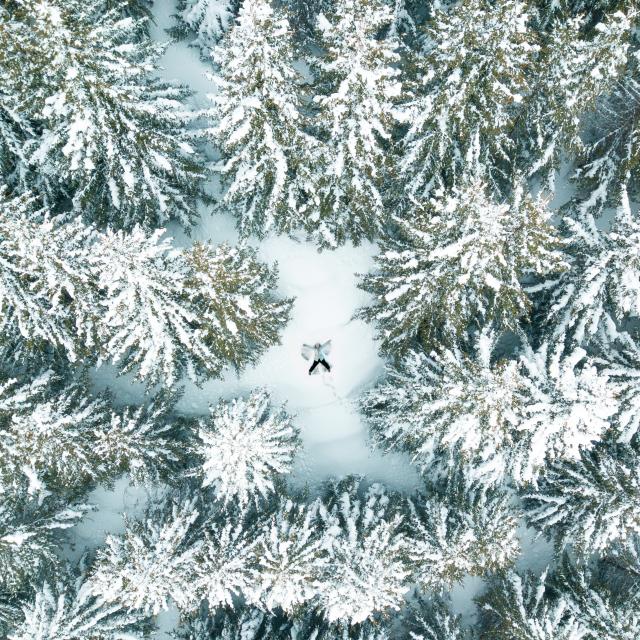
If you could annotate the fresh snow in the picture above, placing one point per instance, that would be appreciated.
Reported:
(324, 286)
(334, 436)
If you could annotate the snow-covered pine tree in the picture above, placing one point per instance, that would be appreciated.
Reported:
(527, 608)
(569, 407)
(209, 19)
(232, 293)
(132, 298)
(447, 400)
(140, 441)
(114, 135)
(459, 260)
(477, 59)
(623, 369)
(431, 619)
(169, 312)
(243, 446)
(368, 568)
(360, 87)
(602, 287)
(457, 528)
(55, 436)
(223, 567)
(503, 419)
(63, 608)
(612, 156)
(30, 534)
(288, 558)
(149, 325)
(575, 68)
(46, 292)
(258, 123)
(605, 607)
(235, 623)
(48, 444)
(589, 503)
(311, 623)
(152, 562)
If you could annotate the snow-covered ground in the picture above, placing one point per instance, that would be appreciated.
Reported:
(326, 296)
(325, 292)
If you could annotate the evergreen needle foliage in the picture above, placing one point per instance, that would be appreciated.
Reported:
(459, 261)
(113, 135)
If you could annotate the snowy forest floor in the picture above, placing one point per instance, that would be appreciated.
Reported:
(326, 296)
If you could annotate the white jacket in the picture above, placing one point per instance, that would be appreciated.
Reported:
(316, 351)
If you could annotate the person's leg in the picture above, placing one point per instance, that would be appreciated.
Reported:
(326, 365)
(313, 366)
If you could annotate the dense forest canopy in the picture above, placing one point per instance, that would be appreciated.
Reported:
(445, 132)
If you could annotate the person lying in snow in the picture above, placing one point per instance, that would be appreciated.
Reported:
(319, 353)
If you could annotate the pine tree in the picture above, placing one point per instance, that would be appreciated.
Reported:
(48, 443)
(288, 558)
(244, 446)
(569, 406)
(356, 116)
(45, 279)
(30, 536)
(64, 609)
(605, 608)
(169, 312)
(15, 130)
(525, 607)
(113, 134)
(624, 374)
(574, 70)
(602, 287)
(430, 619)
(233, 294)
(447, 400)
(460, 260)
(235, 623)
(612, 156)
(368, 567)
(223, 568)
(140, 441)
(56, 436)
(258, 124)
(312, 624)
(209, 19)
(152, 562)
(503, 419)
(457, 528)
(590, 503)
(150, 327)
(477, 59)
